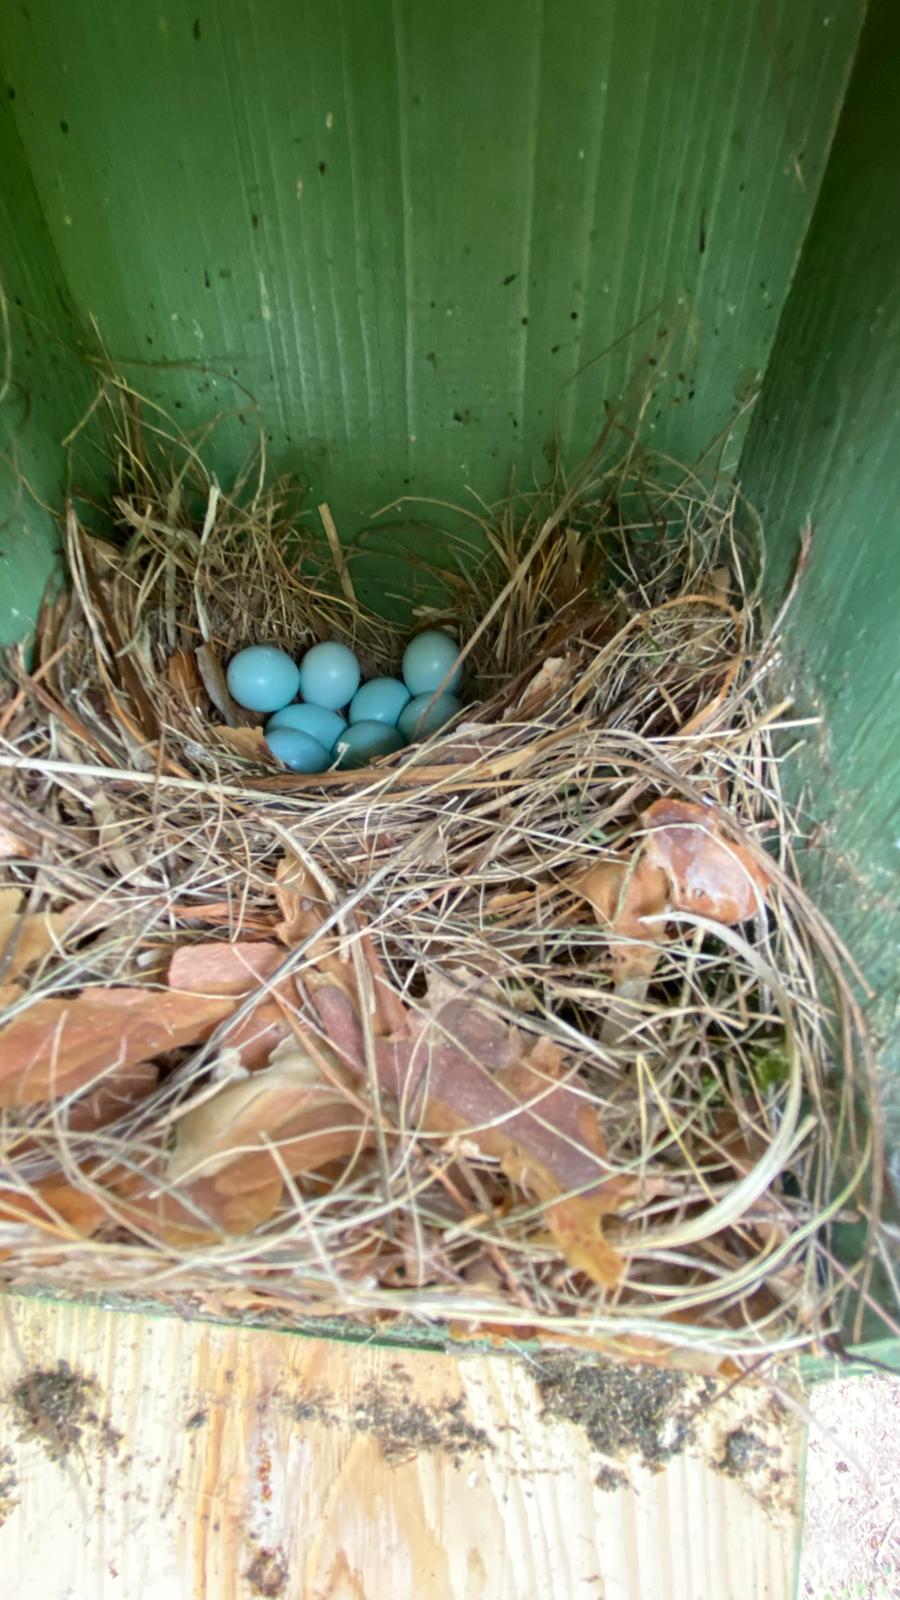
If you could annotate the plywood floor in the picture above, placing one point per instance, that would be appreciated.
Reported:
(172, 1460)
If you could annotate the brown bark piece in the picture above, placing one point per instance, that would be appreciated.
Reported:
(466, 1073)
(58, 1045)
(708, 872)
(623, 894)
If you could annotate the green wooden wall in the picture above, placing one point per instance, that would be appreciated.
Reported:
(43, 386)
(404, 228)
(824, 444)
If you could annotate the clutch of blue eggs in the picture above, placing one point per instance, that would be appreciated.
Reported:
(321, 714)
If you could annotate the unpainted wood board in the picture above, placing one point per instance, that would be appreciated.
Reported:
(217, 1462)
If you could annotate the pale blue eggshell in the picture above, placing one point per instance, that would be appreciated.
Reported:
(298, 750)
(426, 661)
(363, 741)
(379, 700)
(329, 675)
(262, 678)
(425, 715)
(326, 726)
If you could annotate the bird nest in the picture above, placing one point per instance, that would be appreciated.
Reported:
(528, 1030)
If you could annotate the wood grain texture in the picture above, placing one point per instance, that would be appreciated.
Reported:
(220, 1463)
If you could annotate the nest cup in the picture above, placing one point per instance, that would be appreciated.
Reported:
(454, 1038)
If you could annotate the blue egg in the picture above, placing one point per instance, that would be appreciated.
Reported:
(363, 741)
(325, 726)
(425, 715)
(262, 678)
(297, 750)
(329, 675)
(426, 661)
(379, 700)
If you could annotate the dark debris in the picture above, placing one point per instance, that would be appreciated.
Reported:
(9, 1484)
(267, 1574)
(742, 1452)
(57, 1408)
(625, 1411)
(404, 1428)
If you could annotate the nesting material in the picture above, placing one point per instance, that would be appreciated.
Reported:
(528, 1029)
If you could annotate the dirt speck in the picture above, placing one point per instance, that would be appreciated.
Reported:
(171, 1487)
(743, 1451)
(404, 1428)
(196, 1420)
(58, 1408)
(636, 1412)
(9, 1484)
(264, 1473)
(267, 1574)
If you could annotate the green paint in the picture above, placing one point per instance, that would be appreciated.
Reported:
(403, 229)
(44, 389)
(885, 1352)
(825, 445)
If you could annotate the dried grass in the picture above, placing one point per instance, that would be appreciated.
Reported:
(614, 656)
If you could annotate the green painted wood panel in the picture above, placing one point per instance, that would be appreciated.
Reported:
(42, 387)
(404, 227)
(825, 444)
